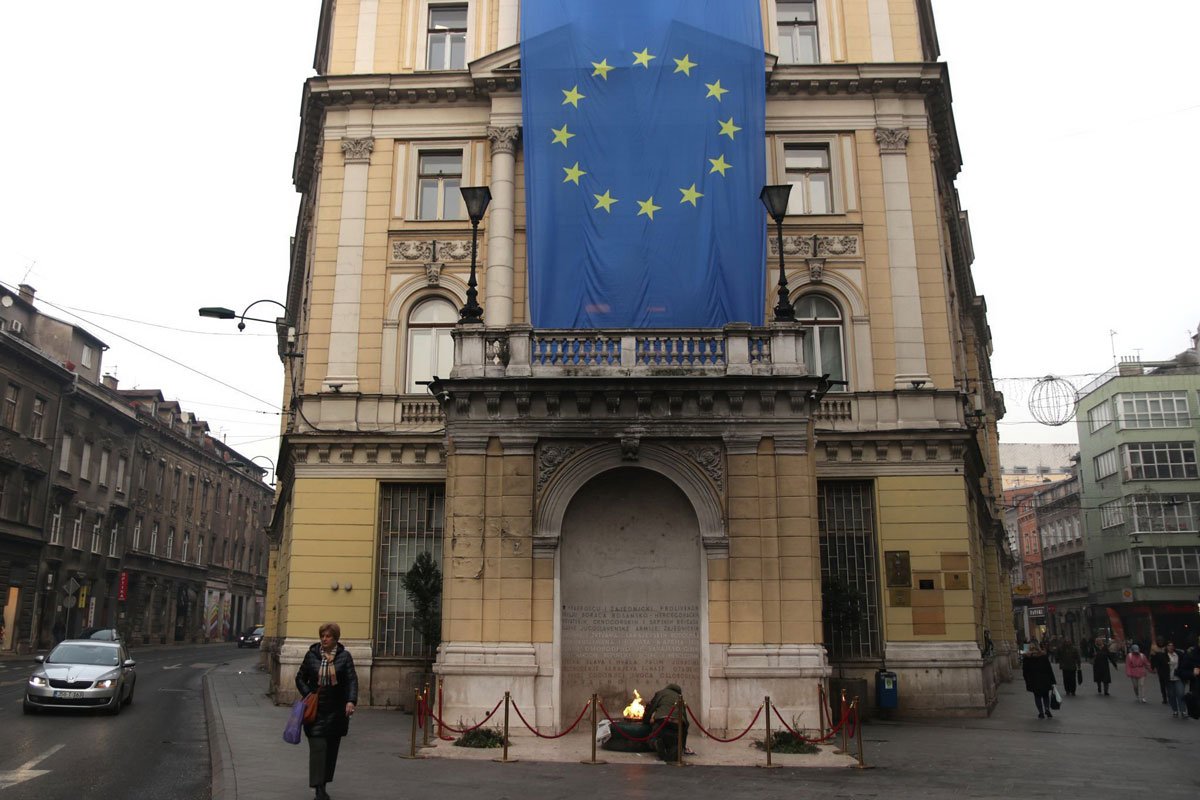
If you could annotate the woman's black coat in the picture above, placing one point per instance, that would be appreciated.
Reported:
(1039, 675)
(331, 704)
(1101, 673)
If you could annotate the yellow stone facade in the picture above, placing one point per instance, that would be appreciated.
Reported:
(916, 424)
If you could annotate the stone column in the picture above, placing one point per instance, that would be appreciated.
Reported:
(507, 24)
(902, 250)
(501, 225)
(364, 46)
(342, 371)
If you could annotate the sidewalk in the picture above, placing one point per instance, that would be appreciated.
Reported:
(1104, 747)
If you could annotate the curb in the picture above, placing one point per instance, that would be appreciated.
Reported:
(224, 775)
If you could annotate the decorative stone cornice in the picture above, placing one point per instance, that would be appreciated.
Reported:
(827, 246)
(357, 151)
(418, 251)
(891, 140)
(504, 140)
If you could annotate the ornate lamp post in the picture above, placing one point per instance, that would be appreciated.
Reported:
(775, 198)
(219, 312)
(476, 199)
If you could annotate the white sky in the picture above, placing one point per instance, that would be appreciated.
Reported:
(146, 156)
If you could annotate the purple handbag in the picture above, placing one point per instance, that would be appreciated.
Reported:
(291, 732)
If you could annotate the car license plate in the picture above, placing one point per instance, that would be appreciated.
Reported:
(68, 695)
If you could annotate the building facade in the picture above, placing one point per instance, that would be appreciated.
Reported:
(555, 475)
(1064, 564)
(1139, 425)
(106, 513)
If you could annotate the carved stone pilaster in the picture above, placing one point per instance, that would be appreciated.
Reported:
(504, 140)
(891, 140)
(357, 151)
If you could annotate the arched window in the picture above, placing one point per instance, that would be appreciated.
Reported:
(430, 348)
(822, 322)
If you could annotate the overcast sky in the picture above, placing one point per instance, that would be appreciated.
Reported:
(147, 154)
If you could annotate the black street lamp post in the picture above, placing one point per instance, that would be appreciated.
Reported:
(220, 312)
(476, 199)
(775, 198)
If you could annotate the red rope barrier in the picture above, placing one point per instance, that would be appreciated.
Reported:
(452, 729)
(713, 736)
(547, 735)
(422, 701)
(653, 734)
(820, 740)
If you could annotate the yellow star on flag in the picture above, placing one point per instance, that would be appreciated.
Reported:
(572, 96)
(643, 57)
(715, 90)
(690, 195)
(684, 65)
(728, 128)
(719, 165)
(561, 135)
(647, 207)
(574, 173)
(605, 200)
(602, 69)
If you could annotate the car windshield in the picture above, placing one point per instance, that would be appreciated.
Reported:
(257, 632)
(84, 654)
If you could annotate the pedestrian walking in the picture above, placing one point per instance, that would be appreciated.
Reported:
(1136, 666)
(1175, 685)
(1188, 673)
(1039, 679)
(1101, 672)
(1068, 662)
(1158, 663)
(328, 669)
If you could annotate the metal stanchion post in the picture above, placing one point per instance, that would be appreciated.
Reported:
(440, 683)
(862, 762)
(412, 745)
(595, 703)
(769, 740)
(821, 707)
(843, 713)
(428, 721)
(680, 709)
(504, 759)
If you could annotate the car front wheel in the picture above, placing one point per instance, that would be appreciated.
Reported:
(115, 708)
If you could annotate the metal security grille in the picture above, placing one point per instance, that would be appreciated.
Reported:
(412, 518)
(849, 569)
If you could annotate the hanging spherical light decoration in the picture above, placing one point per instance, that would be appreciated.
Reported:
(1052, 401)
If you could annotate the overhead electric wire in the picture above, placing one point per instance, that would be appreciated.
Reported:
(77, 311)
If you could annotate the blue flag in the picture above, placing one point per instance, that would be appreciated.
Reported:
(644, 158)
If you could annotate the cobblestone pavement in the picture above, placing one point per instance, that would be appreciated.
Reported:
(1096, 746)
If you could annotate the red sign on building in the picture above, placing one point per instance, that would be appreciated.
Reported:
(123, 586)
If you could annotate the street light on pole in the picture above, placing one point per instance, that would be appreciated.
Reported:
(775, 198)
(476, 199)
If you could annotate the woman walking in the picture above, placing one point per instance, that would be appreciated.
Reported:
(1101, 672)
(328, 669)
(1039, 679)
(1136, 665)
(1068, 662)
(1175, 687)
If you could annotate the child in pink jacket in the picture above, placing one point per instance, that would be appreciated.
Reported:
(1136, 666)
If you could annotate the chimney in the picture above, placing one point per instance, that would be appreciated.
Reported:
(109, 382)
(26, 292)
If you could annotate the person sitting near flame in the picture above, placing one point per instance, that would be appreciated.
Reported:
(674, 733)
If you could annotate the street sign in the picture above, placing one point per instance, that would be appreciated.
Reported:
(1022, 589)
(123, 586)
(71, 586)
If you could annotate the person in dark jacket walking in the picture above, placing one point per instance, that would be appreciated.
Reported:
(1068, 661)
(327, 668)
(1101, 667)
(1039, 679)
(1162, 668)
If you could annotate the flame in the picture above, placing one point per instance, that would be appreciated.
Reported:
(634, 710)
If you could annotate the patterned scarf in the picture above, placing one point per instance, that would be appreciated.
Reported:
(328, 675)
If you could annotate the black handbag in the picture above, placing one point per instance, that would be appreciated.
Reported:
(1055, 700)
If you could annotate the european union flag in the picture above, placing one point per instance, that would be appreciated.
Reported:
(644, 157)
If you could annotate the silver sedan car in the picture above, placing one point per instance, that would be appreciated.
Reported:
(82, 674)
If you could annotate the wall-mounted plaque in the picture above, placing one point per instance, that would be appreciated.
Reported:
(899, 573)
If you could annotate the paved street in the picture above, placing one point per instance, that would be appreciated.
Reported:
(1096, 747)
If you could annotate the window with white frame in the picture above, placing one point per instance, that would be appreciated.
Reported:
(85, 462)
(430, 348)
(170, 551)
(154, 539)
(807, 167)
(1112, 514)
(137, 534)
(797, 21)
(1153, 410)
(88, 356)
(821, 320)
(1100, 416)
(1116, 564)
(102, 476)
(77, 531)
(122, 467)
(1169, 566)
(113, 536)
(187, 545)
(64, 455)
(1149, 461)
(439, 179)
(97, 527)
(446, 38)
(1105, 464)
(1166, 514)
(200, 550)
(12, 398)
(37, 420)
(56, 525)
